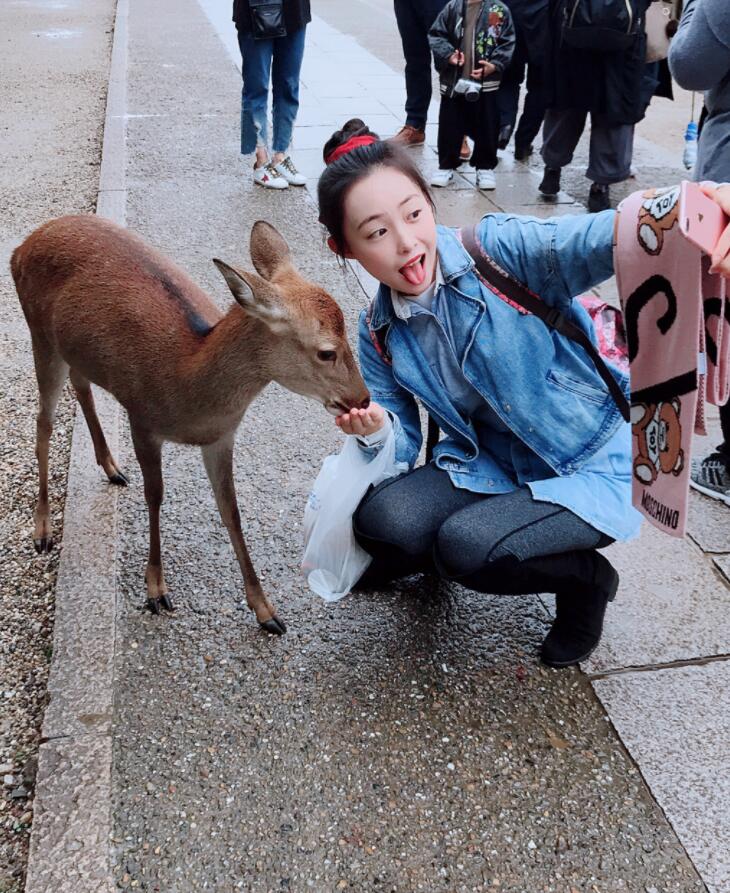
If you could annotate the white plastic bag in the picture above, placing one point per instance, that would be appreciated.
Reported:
(333, 561)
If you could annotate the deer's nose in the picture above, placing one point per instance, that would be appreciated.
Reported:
(365, 403)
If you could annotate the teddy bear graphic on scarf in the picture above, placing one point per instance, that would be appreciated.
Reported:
(677, 320)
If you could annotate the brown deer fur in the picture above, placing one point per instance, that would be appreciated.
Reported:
(103, 307)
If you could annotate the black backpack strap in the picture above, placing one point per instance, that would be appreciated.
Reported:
(516, 292)
(432, 438)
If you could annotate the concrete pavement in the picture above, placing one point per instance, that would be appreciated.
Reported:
(404, 741)
(400, 741)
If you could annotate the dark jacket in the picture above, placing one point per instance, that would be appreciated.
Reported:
(606, 84)
(297, 14)
(494, 40)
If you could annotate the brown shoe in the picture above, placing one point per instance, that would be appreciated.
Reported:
(465, 153)
(409, 136)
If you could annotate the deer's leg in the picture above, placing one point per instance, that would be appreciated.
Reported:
(148, 450)
(82, 387)
(218, 460)
(51, 372)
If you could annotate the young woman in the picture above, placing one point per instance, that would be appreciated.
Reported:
(533, 473)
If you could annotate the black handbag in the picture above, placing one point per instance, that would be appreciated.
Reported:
(267, 19)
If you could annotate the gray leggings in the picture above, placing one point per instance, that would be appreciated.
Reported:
(419, 521)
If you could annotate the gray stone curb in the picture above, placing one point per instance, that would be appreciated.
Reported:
(70, 842)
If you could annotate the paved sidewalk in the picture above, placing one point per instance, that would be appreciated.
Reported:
(54, 70)
(400, 741)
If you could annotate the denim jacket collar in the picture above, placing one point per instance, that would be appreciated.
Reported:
(454, 260)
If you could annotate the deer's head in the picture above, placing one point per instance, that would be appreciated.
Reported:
(307, 351)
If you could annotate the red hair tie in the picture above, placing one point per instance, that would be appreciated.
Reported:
(353, 143)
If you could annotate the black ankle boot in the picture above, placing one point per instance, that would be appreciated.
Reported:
(599, 198)
(580, 606)
(505, 132)
(550, 181)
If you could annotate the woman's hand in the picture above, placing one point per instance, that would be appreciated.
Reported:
(721, 254)
(362, 421)
(456, 58)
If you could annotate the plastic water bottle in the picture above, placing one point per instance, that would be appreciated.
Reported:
(690, 146)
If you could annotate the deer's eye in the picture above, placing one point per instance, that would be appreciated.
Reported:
(327, 356)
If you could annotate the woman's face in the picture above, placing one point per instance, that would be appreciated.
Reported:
(390, 229)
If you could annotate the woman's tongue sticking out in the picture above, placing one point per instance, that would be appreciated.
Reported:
(414, 272)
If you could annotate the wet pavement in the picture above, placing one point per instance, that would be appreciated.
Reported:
(401, 741)
(54, 68)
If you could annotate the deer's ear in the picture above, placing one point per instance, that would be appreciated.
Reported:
(269, 250)
(257, 296)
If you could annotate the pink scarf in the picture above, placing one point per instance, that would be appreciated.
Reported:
(677, 319)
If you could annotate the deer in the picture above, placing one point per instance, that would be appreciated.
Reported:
(105, 308)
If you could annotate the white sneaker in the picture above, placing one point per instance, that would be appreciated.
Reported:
(442, 178)
(268, 176)
(287, 170)
(486, 180)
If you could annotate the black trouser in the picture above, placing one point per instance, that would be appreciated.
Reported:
(415, 18)
(610, 150)
(508, 97)
(479, 120)
(508, 543)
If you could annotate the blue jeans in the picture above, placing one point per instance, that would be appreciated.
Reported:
(281, 60)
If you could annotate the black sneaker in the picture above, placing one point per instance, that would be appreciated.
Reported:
(711, 476)
(599, 198)
(550, 181)
(504, 136)
(579, 613)
(522, 153)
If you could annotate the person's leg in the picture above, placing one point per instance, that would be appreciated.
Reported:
(397, 521)
(724, 448)
(255, 70)
(450, 134)
(287, 64)
(483, 127)
(560, 134)
(535, 27)
(533, 111)
(508, 525)
(610, 151)
(711, 475)
(513, 544)
(417, 54)
(508, 95)
(609, 159)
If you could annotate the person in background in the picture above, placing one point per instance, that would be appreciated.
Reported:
(472, 43)
(414, 18)
(531, 21)
(699, 59)
(279, 60)
(606, 85)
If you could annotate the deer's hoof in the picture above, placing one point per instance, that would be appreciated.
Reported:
(274, 626)
(120, 479)
(166, 603)
(43, 545)
(153, 605)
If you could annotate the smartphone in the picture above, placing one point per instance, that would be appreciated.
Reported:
(700, 218)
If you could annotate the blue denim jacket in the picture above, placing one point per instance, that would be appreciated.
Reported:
(542, 386)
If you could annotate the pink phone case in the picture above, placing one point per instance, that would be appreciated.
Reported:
(700, 218)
